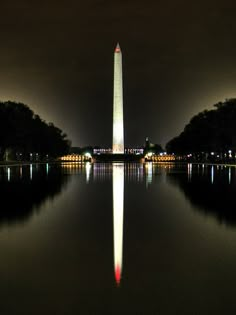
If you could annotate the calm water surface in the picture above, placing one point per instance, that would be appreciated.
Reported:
(117, 239)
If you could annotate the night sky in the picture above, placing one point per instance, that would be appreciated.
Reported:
(179, 58)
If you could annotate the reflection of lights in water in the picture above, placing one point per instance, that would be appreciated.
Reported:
(101, 171)
(31, 171)
(95, 171)
(118, 209)
(87, 170)
(21, 171)
(203, 167)
(47, 168)
(140, 173)
(190, 166)
(148, 166)
(212, 174)
(70, 167)
(8, 174)
(229, 175)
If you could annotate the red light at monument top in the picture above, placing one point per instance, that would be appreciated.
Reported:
(117, 50)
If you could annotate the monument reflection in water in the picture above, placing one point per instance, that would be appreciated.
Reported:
(118, 210)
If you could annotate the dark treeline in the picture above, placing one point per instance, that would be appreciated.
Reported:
(82, 150)
(209, 132)
(151, 147)
(24, 135)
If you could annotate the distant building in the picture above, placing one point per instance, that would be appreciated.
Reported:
(136, 151)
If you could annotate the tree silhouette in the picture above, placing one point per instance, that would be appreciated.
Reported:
(209, 131)
(23, 132)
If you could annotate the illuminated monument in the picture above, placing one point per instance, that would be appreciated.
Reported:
(118, 124)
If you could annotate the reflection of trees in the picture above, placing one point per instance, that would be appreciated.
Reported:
(217, 199)
(21, 197)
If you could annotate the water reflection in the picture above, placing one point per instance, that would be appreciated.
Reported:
(203, 168)
(31, 171)
(118, 210)
(211, 193)
(148, 173)
(229, 175)
(22, 193)
(190, 166)
(80, 243)
(134, 172)
(212, 174)
(8, 174)
(88, 171)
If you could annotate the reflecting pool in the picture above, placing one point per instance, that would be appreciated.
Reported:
(117, 238)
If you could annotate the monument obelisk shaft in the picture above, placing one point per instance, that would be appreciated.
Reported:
(118, 124)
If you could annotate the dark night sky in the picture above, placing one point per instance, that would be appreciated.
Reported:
(179, 57)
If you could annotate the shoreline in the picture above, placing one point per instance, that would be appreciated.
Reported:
(19, 163)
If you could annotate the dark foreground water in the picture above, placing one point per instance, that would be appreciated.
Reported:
(117, 239)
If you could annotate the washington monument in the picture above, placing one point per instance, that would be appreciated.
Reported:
(118, 124)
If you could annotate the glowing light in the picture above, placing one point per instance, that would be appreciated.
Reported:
(203, 168)
(47, 168)
(8, 174)
(160, 157)
(117, 50)
(149, 173)
(74, 157)
(118, 210)
(117, 274)
(31, 171)
(149, 154)
(212, 174)
(87, 170)
(88, 155)
(190, 166)
(229, 175)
